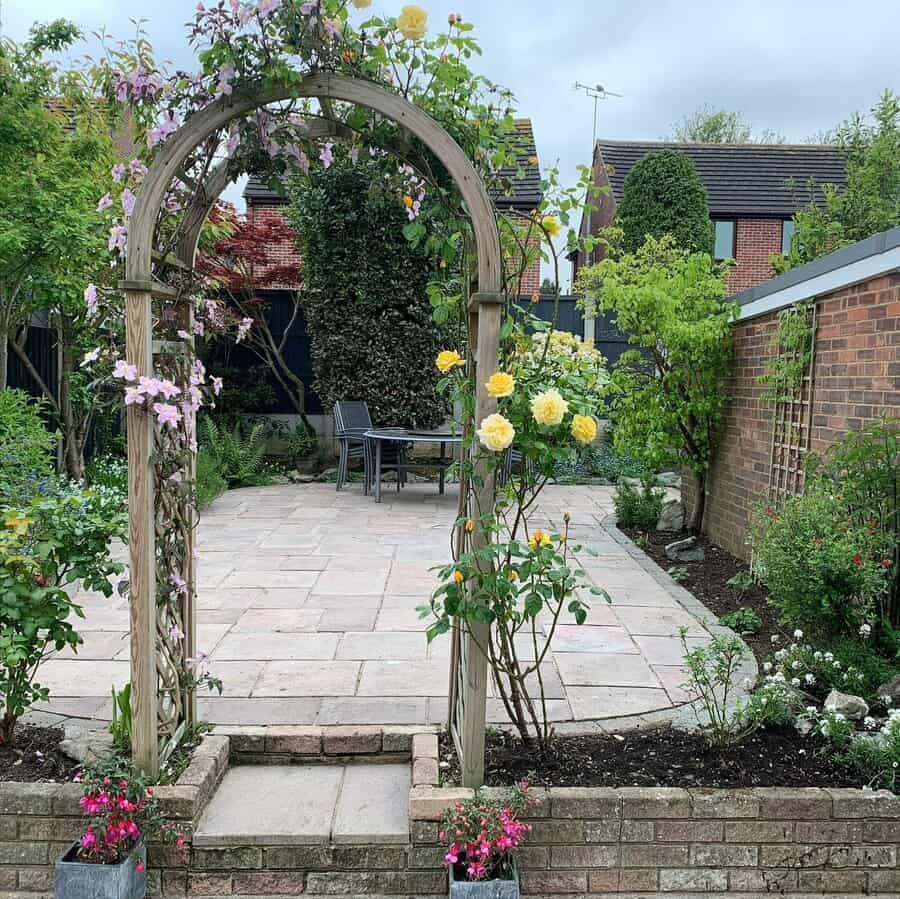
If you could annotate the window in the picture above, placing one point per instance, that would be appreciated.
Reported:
(787, 232)
(724, 239)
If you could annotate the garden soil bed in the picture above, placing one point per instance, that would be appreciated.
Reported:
(666, 758)
(34, 757)
(708, 581)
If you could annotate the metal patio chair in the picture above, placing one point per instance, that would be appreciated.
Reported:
(351, 421)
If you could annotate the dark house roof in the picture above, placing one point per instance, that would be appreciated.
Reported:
(524, 193)
(740, 179)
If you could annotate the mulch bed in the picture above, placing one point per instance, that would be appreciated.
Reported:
(666, 758)
(707, 580)
(34, 757)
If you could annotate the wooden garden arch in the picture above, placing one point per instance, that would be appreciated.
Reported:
(141, 286)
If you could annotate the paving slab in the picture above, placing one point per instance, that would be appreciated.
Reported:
(374, 805)
(258, 805)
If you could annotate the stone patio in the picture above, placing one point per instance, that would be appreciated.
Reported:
(306, 608)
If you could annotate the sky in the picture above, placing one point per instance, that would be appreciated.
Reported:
(796, 67)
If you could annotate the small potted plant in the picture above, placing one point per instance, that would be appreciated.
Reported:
(483, 835)
(110, 859)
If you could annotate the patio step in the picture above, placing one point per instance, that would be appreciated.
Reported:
(301, 805)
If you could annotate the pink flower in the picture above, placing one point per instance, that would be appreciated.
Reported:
(326, 155)
(149, 386)
(226, 76)
(167, 414)
(217, 386)
(175, 633)
(267, 8)
(243, 329)
(133, 396)
(168, 389)
(125, 370)
(198, 327)
(88, 839)
(90, 297)
(118, 239)
(332, 26)
(118, 172)
(168, 125)
(140, 867)
(105, 203)
(128, 201)
(138, 169)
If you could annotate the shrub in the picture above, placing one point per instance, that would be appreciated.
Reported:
(823, 572)
(209, 482)
(877, 757)
(110, 472)
(239, 458)
(638, 508)
(26, 447)
(742, 621)
(364, 296)
(47, 548)
(663, 194)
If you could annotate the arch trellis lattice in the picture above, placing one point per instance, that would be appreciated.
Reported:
(163, 633)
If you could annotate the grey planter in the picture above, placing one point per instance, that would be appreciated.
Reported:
(79, 880)
(485, 889)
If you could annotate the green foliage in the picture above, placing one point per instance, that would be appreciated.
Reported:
(792, 348)
(245, 391)
(823, 572)
(599, 460)
(831, 725)
(870, 200)
(209, 482)
(239, 457)
(638, 508)
(663, 194)
(708, 125)
(109, 472)
(679, 573)
(742, 581)
(864, 470)
(667, 391)
(364, 296)
(877, 757)
(120, 728)
(743, 621)
(47, 548)
(26, 447)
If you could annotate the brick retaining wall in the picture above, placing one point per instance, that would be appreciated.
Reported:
(856, 377)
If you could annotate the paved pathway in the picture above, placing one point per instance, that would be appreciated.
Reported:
(307, 609)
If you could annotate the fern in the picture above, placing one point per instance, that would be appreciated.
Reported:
(239, 458)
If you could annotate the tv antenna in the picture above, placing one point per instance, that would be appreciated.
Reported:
(597, 92)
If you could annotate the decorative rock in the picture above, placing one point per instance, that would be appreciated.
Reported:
(637, 483)
(672, 516)
(298, 477)
(853, 707)
(86, 746)
(668, 479)
(685, 550)
(891, 689)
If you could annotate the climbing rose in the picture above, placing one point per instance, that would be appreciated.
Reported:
(549, 408)
(496, 433)
(447, 360)
(500, 384)
(551, 225)
(412, 22)
(584, 428)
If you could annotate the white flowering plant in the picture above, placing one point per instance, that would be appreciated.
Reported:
(877, 756)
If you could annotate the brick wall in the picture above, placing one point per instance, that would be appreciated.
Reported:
(856, 378)
(285, 252)
(755, 241)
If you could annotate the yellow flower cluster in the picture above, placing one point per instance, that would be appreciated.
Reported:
(448, 360)
(412, 22)
(500, 384)
(549, 408)
(496, 433)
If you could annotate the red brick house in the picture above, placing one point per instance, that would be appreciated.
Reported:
(752, 190)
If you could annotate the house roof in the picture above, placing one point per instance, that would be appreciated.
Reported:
(740, 179)
(524, 193)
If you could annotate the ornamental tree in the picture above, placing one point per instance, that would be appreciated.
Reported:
(708, 125)
(663, 194)
(668, 390)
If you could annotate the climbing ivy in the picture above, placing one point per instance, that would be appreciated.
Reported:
(792, 346)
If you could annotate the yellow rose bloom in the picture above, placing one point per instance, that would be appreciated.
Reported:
(447, 360)
(408, 201)
(458, 576)
(496, 433)
(470, 525)
(500, 384)
(412, 22)
(550, 223)
(539, 539)
(549, 408)
(584, 428)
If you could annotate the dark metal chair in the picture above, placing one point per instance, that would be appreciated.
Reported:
(351, 421)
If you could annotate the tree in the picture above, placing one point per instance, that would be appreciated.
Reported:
(870, 200)
(708, 125)
(364, 294)
(668, 389)
(663, 194)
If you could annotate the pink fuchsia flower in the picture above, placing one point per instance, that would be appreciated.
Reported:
(140, 867)
(118, 172)
(90, 298)
(166, 414)
(125, 370)
(128, 201)
(104, 203)
(326, 155)
(217, 385)
(133, 396)
(88, 839)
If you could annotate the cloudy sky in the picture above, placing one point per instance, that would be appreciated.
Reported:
(797, 67)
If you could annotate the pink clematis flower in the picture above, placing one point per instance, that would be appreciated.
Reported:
(105, 203)
(128, 201)
(326, 155)
(133, 396)
(125, 370)
(90, 297)
(118, 172)
(167, 414)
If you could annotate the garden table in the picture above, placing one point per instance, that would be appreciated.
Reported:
(378, 436)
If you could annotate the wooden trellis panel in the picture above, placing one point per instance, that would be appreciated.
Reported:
(792, 430)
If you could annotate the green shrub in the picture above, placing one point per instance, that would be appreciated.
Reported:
(364, 296)
(239, 458)
(209, 482)
(638, 508)
(110, 472)
(877, 757)
(48, 547)
(26, 447)
(600, 460)
(742, 621)
(663, 194)
(823, 572)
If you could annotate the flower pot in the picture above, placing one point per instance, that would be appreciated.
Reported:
(80, 880)
(485, 889)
